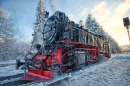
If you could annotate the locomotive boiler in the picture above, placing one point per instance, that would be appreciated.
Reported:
(67, 47)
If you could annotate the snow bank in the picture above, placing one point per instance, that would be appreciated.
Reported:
(9, 70)
(8, 62)
(121, 56)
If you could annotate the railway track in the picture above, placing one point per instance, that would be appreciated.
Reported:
(10, 77)
(4, 65)
(13, 80)
(64, 77)
(15, 83)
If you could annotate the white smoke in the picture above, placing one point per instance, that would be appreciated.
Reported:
(52, 6)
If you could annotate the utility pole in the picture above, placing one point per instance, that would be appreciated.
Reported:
(128, 32)
(127, 24)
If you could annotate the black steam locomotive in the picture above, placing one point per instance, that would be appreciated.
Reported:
(67, 47)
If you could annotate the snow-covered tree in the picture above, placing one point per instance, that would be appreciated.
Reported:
(6, 25)
(93, 26)
(21, 48)
(6, 35)
(38, 25)
(102, 31)
(88, 23)
(114, 47)
(10, 48)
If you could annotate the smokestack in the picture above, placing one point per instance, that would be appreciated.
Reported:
(52, 6)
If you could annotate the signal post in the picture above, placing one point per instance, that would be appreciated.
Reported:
(127, 24)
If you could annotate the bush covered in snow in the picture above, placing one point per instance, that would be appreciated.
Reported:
(125, 48)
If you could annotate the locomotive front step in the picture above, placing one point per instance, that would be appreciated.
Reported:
(36, 75)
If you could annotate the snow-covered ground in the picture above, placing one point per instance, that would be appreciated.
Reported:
(8, 62)
(9, 69)
(114, 72)
(120, 56)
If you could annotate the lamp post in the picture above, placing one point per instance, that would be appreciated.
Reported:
(127, 24)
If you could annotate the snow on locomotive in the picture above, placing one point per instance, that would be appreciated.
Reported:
(67, 47)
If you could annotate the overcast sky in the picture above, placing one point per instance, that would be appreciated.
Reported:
(109, 14)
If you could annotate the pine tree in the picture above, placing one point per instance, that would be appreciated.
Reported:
(88, 23)
(114, 47)
(93, 26)
(6, 25)
(38, 25)
(6, 35)
(102, 31)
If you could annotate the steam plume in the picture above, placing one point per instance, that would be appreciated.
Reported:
(51, 2)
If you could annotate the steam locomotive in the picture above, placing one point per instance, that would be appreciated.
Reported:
(67, 47)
